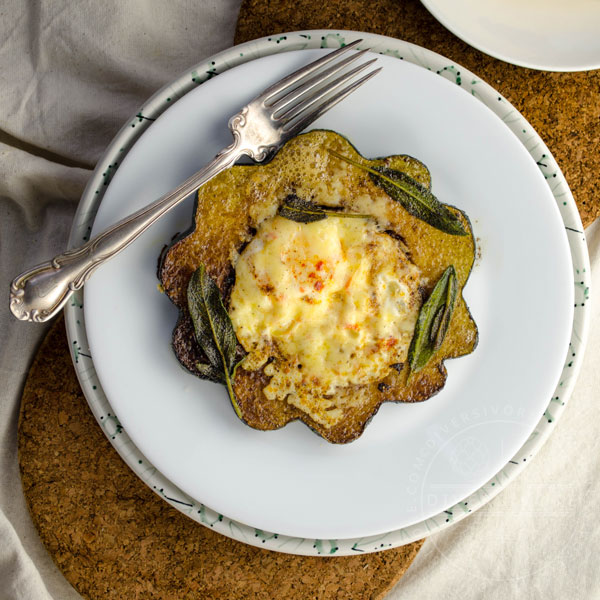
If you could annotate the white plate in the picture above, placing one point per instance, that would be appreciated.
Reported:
(406, 475)
(553, 35)
(290, 480)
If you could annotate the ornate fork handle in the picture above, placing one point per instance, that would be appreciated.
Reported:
(41, 292)
(277, 114)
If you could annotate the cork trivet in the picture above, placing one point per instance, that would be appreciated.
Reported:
(564, 108)
(112, 537)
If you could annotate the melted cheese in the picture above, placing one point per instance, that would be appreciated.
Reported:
(332, 304)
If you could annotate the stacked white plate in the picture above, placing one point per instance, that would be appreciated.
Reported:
(417, 468)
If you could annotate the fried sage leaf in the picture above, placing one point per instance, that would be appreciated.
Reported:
(433, 321)
(207, 371)
(301, 211)
(305, 211)
(412, 195)
(451, 292)
(214, 330)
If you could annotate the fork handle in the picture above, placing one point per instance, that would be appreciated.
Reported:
(40, 292)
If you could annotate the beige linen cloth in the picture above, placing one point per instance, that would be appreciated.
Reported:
(71, 73)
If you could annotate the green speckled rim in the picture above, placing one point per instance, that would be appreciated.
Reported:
(219, 63)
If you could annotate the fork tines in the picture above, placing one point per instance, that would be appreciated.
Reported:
(299, 99)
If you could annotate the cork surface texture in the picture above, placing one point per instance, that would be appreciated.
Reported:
(564, 108)
(113, 538)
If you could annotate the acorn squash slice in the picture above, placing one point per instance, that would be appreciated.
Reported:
(320, 167)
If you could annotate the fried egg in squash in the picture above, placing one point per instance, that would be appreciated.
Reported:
(325, 311)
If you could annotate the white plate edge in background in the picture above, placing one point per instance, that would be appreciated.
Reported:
(464, 32)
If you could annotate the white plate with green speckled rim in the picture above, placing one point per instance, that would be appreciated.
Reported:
(417, 468)
(551, 35)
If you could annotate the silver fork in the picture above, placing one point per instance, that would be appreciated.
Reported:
(259, 130)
